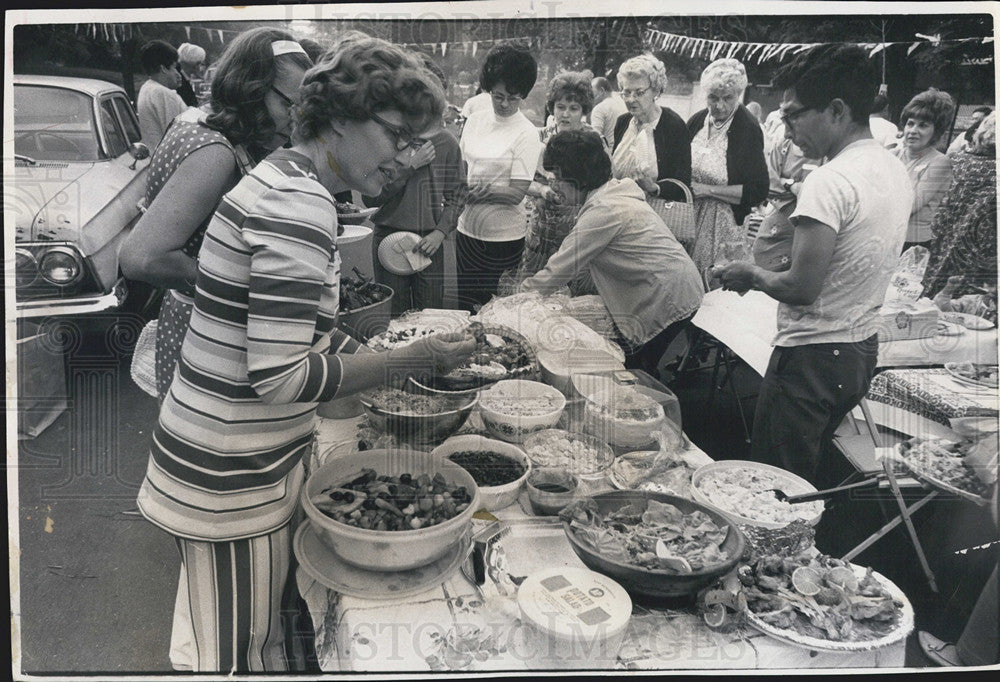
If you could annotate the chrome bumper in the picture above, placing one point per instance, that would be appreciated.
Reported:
(70, 307)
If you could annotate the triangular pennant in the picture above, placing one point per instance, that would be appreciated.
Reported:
(878, 48)
(716, 48)
(475, 48)
(444, 49)
(187, 32)
(221, 39)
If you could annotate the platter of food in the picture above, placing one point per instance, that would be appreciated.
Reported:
(940, 463)
(501, 353)
(973, 374)
(351, 214)
(417, 324)
(635, 471)
(742, 489)
(821, 603)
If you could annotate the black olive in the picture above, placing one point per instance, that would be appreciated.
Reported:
(393, 489)
(369, 504)
(406, 479)
(337, 496)
(349, 497)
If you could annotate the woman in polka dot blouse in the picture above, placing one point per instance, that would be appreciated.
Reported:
(203, 155)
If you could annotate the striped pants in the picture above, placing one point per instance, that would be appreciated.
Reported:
(227, 616)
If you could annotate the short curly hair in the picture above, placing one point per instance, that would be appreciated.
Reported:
(932, 105)
(512, 65)
(725, 73)
(363, 76)
(573, 86)
(246, 72)
(984, 140)
(645, 66)
(578, 157)
(824, 73)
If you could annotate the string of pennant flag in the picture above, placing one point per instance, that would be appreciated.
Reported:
(125, 32)
(714, 49)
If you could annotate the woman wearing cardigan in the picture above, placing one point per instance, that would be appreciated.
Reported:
(652, 145)
(728, 170)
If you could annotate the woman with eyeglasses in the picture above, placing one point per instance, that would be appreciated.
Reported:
(202, 156)
(500, 147)
(652, 144)
(262, 349)
(728, 170)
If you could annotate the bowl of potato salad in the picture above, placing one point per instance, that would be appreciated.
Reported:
(582, 455)
(743, 491)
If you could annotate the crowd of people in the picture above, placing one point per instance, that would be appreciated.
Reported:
(240, 230)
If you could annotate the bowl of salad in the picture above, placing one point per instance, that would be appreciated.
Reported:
(416, 419)
(499, 469)
(513, 409)
(390, 510)
(654, 544)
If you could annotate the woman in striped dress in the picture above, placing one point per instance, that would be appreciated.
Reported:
(262, 349)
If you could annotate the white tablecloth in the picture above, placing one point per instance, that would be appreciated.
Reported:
(747, 324)
(453, 627)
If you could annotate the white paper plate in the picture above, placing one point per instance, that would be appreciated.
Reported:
(903, 628)
(328, 569)
(392, 250)
(967, 320)
(353, 233)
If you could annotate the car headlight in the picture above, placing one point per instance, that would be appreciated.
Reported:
(26, 268)
(61, 266)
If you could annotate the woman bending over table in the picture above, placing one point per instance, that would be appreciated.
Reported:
(728, 170)
(646, 279)
(262, 349)
(925, 119)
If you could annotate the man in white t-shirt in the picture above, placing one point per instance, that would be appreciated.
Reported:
(884, 131)
(158, 102)
(850, 223)
(607, 108)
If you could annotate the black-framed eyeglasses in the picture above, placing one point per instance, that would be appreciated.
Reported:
(501, 98)
(284, 98)
(404, 139)
(788, 118)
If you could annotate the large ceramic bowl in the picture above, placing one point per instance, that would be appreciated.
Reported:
(388, 550)
(493, 497)
(499, 408)
(741, 490)
(657, 583)
(420, 429)
(583, 455)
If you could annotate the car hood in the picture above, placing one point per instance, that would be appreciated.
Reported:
(48, 202)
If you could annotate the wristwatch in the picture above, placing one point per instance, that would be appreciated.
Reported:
(787, 184)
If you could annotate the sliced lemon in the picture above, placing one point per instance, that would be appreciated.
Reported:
(806, 580)
(714, 615)
(842, 577)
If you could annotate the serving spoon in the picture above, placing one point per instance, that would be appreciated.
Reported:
(823, 494)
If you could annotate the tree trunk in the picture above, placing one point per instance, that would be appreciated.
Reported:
(130, 55)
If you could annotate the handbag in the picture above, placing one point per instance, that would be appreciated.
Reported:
(677, 215)
(144, 359)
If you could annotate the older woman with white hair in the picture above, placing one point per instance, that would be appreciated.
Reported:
(191, 61)
(728, 170)
(652, 146)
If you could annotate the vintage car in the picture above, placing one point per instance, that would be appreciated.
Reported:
(79, 177)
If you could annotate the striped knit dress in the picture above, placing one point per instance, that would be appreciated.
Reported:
(259, 354)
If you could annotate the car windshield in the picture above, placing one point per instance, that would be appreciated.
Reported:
(54, 124)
